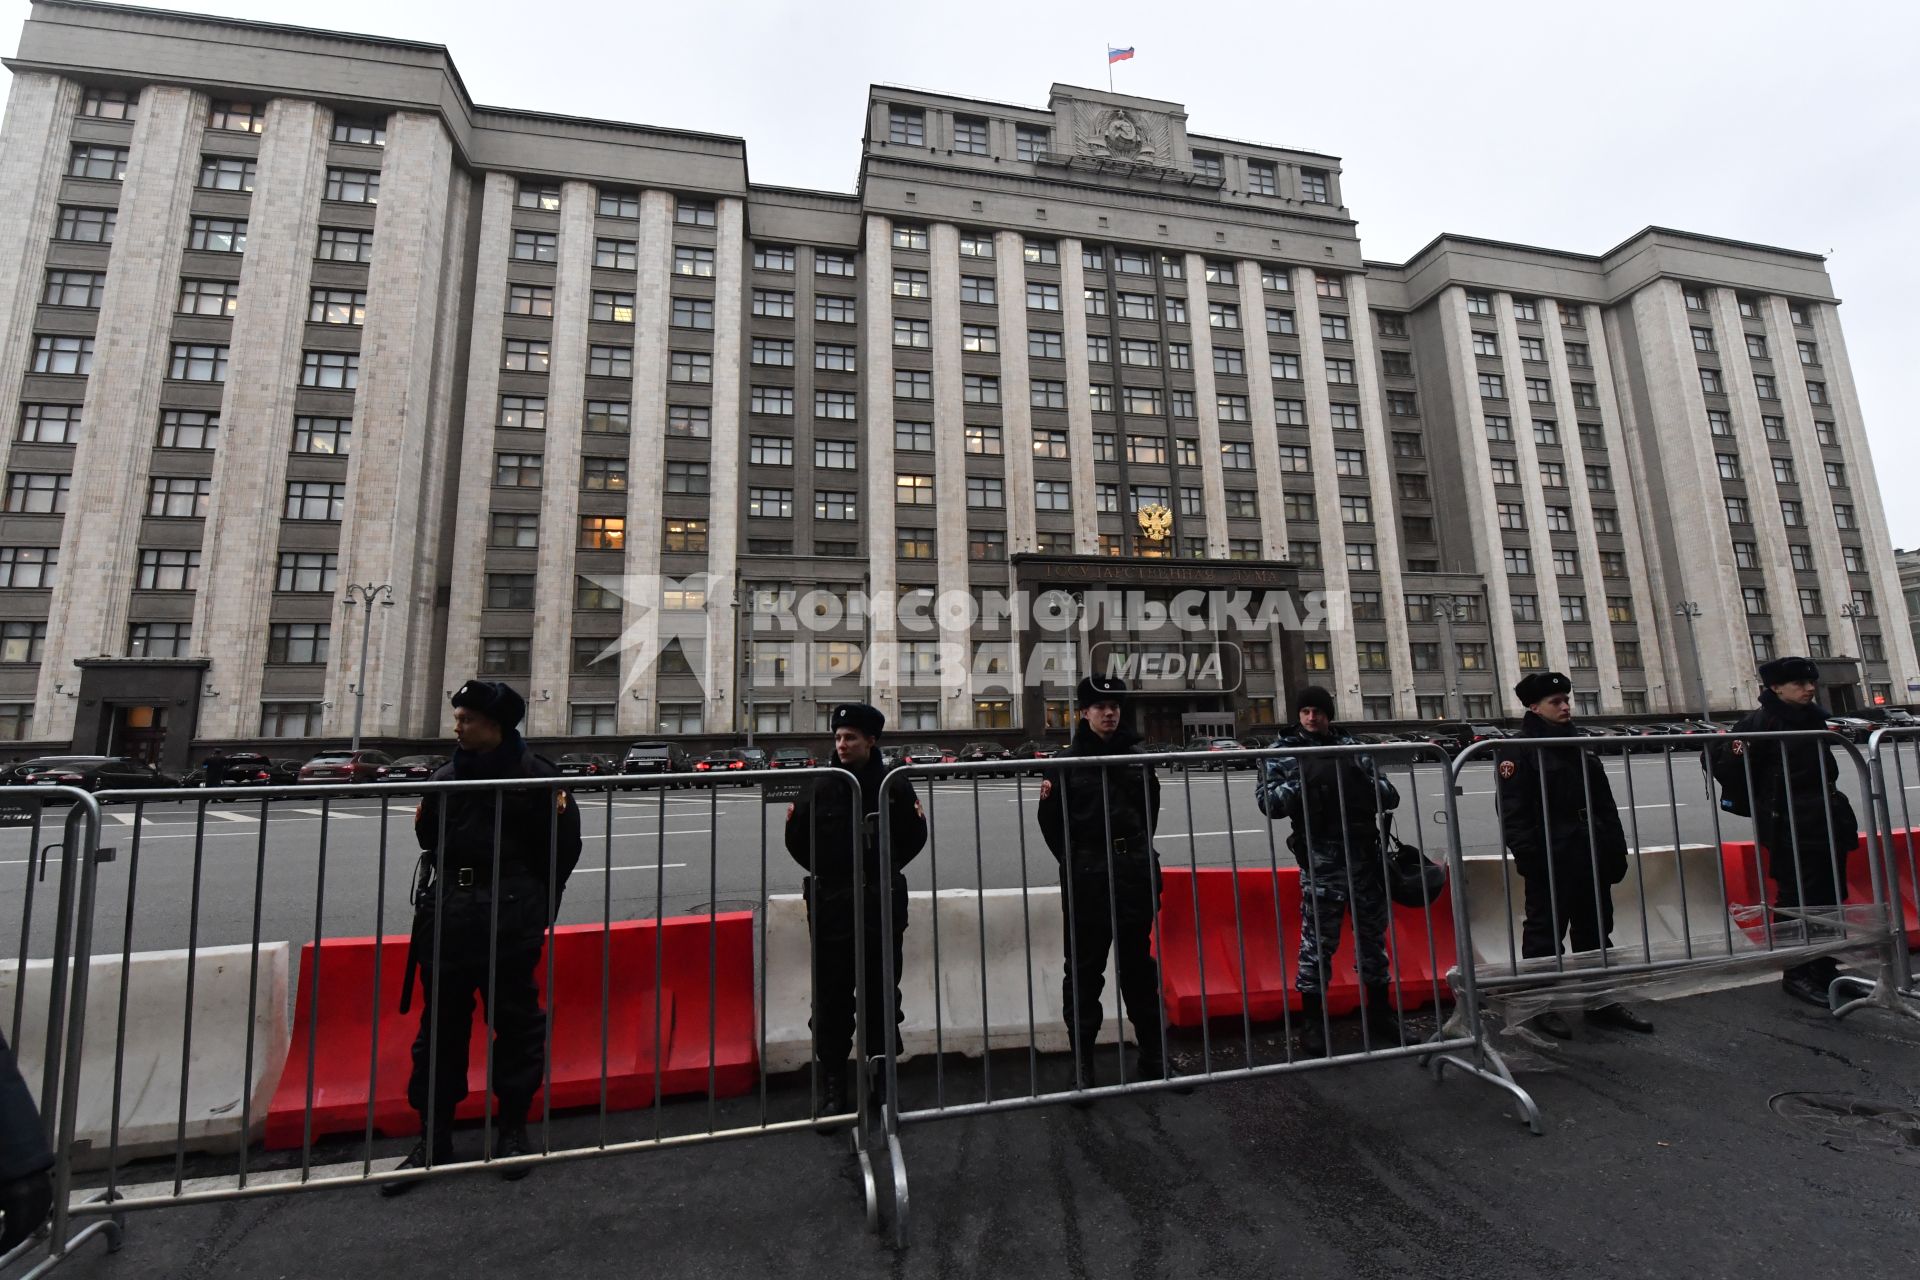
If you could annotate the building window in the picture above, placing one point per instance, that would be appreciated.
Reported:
(687, 477)
(510, 590)
(63, 354)
(1493, 386)
(178, 496)
(609, 362)
(319, 500)
(906, 126)
(834, 357)
(159, 640)
(308, 572)
(353, 186)
(697, 367)
(769, 502)
(297, 644)
(1340, 373)
(1539, 391)
(913, 490)
(1031, 142)
(360, 132)
(833, 504)
(49, 424)
(28, 568)
(603, 533)
(1314, 186)
(343, 244)
(167, 570)
(345, 306)
(913, 437)
(226, 173)
(290, 719)
(237, 117)
(603, 474)
(1532, 348)
(197, 362)
(1052, 495)
(86, 226)
(108, 104)
(1479, 304)
(913, 544)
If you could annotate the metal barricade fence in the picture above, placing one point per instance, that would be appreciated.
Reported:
(175, 1060)
(1699, 912)
(1207, 943)
(1894, 754)
(43, 990)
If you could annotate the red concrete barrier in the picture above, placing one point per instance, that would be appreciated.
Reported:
(1421, 957)
(347, 1071)
(1749, 885)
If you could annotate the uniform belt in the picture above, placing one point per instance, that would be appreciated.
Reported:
(470, 877)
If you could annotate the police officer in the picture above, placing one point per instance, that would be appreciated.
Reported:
(1337, 805)
(821, 829)
(1099, 824)
(1563, 828)
(26, 1186)
(1800, 816)
(457, 948)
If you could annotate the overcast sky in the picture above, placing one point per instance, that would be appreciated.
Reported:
(1568, 126)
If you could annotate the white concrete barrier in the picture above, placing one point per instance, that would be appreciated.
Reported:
(1023, 952)
(150, 1053)
(1497, 897)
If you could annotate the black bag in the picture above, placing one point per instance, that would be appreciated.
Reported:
(1413, 879)
(1730, 771)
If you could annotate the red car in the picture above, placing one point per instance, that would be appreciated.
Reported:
(346, 766)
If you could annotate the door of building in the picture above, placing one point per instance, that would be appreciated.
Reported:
(139, 733)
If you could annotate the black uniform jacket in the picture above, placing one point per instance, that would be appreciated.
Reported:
(1084, 810)
(1577, 824)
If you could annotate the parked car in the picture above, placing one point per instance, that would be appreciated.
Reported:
(345, 766)
(409, 769)
(584, 764)
(224, 769)
(793, 758)
(890, 755)
(100, 773)
(1852, 728)
(267, 773)
(1224, 753)
(728, 760)
(17, 774)
(983, 753)
(656, 758)
(926, 753)
(755, 757)
(1034, 749)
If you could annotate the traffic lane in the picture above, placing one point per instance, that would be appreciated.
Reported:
(724, 847)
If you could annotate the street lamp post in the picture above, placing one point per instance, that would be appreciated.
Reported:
(1690, 610)
(365, 594)
(1853, 611)
(1446, 612)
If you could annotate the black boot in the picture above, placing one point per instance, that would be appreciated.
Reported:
(26, 1202)
(1806, 982)
(442, 1151)
(1149, 1063)
(1084, 1076)
(1619, 1017)
(513, 1141)
(1313, 1032)
(830, 1090)
(1383, 1024)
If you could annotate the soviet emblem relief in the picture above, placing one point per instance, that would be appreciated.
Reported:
(1125, 135)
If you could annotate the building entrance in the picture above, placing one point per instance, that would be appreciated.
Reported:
(139, 733)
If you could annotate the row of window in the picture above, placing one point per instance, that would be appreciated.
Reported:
(1749, 306)
(85, 225)
(180, 429)
(194, 362)
(1793, 513)
(1765, 385)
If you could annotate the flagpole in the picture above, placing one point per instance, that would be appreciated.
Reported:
(1108, 46)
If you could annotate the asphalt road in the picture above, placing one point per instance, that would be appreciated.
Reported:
(196, 869)
(1748, 1137)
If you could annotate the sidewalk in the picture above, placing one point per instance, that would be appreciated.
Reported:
(1663, 1157)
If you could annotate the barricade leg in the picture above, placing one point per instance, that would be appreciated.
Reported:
(1891, 986)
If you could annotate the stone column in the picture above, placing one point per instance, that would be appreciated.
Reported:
(1653, 600)
(647, 465)
(1016, 406)
(470, 514)
(1380, 485)
(100, 538)
(394, 418)
(1756, 460)
(238, 560)
(1851, 428)
(876, 320)
(723, 503)
(1627, 486)
(1073, 307)
(1605, 668)
(1326, 498)
(1546, 583)
(560, 465)
(950, 474)
(1207, 406)
(1476, 460)
(1705, 572)
(1266, 438)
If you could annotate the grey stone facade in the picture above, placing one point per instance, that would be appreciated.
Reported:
(604, 389)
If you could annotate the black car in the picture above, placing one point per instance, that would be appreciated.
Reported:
(17, 774)
(980, 753)
(225, 769)
(410, 769)
(1034, 749)
(729, 760)
(584, 764)
(1221, 753)
(925, 753)
(100, 773)
(793, 758)
(266, 773)
(656, 758)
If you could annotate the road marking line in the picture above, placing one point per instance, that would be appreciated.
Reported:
(638, 866)
(224, 816)
(328, 813)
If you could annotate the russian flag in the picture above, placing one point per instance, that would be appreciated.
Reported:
(1119, 55)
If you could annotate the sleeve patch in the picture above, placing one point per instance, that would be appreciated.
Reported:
(1508, 768)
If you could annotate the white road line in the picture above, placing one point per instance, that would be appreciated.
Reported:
(224, 816)
(330, 813)
(638, 866)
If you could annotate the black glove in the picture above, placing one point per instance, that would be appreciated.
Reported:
(26, 1202)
